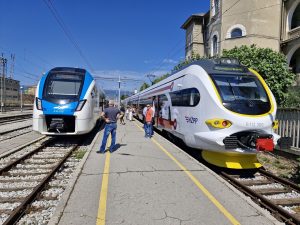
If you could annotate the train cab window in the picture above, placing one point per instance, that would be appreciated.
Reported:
(187, 97)
(63, 86)
(242, 93)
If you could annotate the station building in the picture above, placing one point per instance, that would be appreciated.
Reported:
(11, 94)
(271, 24)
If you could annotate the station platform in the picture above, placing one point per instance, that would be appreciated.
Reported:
(152, 182)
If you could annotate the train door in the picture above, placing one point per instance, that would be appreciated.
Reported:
(164, 112)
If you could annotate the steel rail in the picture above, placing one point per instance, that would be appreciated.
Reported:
(260, 199)
(14, 118)
(15, 162)
(17, 213)
(10, 131)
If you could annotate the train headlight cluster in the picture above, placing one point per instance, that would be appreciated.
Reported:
(218, 123)
(275, 124)
(38, 103)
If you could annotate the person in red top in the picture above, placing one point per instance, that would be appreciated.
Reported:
(148, 115)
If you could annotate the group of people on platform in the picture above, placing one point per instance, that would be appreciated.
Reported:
(112, 113)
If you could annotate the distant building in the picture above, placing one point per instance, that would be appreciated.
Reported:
(31, 90)
(271, 24)
(11, 93)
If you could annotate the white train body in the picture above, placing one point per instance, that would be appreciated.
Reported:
(193, 104)
(67, 102)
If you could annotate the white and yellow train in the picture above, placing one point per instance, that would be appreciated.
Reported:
(218, 106)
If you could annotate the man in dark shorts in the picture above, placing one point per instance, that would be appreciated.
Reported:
(110, 116)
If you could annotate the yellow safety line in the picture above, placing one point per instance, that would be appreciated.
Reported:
(198, 184)
(104, 189)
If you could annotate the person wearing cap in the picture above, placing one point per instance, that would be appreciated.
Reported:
(148, 115)
(110, 116)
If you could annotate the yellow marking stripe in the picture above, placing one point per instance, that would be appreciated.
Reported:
(104, 189)
(198, 184)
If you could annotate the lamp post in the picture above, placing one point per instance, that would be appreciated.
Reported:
(21, 97)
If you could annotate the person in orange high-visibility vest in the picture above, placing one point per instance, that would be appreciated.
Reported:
(148, 115)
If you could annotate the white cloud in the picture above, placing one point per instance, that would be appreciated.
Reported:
(147, 61)
(170, 61)
(134, 78)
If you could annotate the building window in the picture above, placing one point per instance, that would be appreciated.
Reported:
(189, 39)
(296, 18)
(215, 45)
(215, 7)
(237, 32)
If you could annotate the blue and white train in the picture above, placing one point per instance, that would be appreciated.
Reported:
(67, 102)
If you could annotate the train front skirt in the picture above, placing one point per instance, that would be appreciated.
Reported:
(231, 160)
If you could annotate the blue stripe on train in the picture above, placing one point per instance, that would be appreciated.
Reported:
(50, 108)
(41, 86)
(86, 84)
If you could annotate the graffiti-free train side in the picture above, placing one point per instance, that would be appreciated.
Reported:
(218, 106)
(67, 102)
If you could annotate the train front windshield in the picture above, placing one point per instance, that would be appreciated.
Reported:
(242, 94)
(63, 87)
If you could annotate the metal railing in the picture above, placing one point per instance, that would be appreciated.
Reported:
(289, 125)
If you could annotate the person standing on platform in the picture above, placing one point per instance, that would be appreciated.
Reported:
(122, 109)
(130, 113)
(127, 112)
(148, 121)
(110, 116)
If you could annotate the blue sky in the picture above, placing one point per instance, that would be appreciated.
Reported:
(129, 38)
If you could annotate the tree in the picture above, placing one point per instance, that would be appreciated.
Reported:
(144, 86)
(124, 97)
(271, 65)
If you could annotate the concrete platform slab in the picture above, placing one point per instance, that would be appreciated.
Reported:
(145, 185)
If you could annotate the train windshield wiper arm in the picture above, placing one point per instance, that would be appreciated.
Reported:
(231, 88)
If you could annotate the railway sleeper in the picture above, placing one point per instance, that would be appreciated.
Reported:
(255, 182)
(272, 191)
(286, 201)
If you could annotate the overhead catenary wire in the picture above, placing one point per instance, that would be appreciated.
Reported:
(200, 32)
(67, 32)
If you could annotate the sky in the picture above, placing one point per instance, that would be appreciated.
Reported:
(126, 38)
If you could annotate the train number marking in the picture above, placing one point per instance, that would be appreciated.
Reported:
(254, 124)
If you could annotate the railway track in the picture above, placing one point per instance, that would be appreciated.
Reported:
(9, 134)
(8, 119)
(281, 197)
(29, 182)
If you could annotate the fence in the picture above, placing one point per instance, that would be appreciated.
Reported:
(289, 125)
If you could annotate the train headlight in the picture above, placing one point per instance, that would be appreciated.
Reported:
(218, 123)
(38, 103)
(80, 105)
(275, 124)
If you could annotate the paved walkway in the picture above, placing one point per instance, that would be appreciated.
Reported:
(152, 182)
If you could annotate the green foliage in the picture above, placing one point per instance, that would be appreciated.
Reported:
(144, 86)
(161, 78)
(124, 97)
(271, 65)
(185, 62)
(293, 98)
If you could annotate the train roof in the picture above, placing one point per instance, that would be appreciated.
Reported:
(219, 66)
(68, 70)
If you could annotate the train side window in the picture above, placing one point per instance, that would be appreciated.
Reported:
(186, 97)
